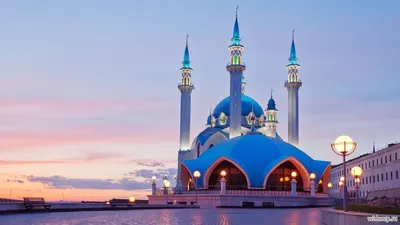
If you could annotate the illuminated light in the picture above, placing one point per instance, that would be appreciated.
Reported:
(286, 178)
(341, 183)
(294, 174)
(132, 199)
(357, 180)
(167, 184)
(190, 180)
(196, 174)
(107, 203)
(312, 176)
(329, 185)
(223, 173)
(153, 178)
(356, 171)
(281, 179)
(320, 182)
(343, 144)
(342, 178)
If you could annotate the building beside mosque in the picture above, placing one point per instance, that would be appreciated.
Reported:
(241, 137)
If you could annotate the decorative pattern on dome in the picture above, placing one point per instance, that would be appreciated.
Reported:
(247, 103)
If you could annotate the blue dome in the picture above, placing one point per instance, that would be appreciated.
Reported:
(256, 154)
(271, 104)
(247, 104)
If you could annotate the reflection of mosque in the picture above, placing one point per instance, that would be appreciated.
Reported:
(241, 137)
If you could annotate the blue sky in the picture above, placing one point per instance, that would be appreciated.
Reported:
(94, 82)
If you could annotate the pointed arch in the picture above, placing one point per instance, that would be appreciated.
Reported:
(211, 168)
(299, 166)
(185, 175)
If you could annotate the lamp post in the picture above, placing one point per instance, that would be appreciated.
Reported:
(344, 146)
(312, 184)
(153, 185)
(196, 175)
(329, 187)
(176, 186)
(293, 183)
(341, 189)
(223, 182)
(166, 186)
(356, 172)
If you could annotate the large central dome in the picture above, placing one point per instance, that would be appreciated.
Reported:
(247, 104)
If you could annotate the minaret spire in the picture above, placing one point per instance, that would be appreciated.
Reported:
(293, 85)
(186, 59)
(235, 68)
(373, 148)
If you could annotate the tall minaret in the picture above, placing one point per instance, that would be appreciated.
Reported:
(186, 88)
(235, 67)
(293, 84)
(271, 123)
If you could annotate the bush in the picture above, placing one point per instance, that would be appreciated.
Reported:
(371, 209)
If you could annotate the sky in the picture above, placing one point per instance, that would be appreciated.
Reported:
(89, 105)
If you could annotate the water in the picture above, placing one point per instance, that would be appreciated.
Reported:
(309, 216)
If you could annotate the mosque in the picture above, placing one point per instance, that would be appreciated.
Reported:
(241, 142)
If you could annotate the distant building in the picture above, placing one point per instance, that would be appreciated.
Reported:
(381, 172)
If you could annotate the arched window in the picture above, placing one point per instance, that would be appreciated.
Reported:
(198, 150)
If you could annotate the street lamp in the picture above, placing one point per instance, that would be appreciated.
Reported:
(196, 175)
(312, 184)
(356, 172)
(344, 146)
(223, 182)
(329, 187)
(166, 185)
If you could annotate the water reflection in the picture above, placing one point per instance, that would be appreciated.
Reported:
(171, 217)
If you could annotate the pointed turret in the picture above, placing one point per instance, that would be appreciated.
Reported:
(186, 60)
(293, 58)
(271, 122)
(236, 34)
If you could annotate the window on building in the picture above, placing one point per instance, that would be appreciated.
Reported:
(377, 162)
(395, 156)
(391, 175)
(366, 180)
(387, 176)
(365, 165)
(362, 166)
(390, 158)
(386, 159)
(377, 178)
(369, 179)
(369, 164)
(373, 163)
(381, 160)
(373, 178)
(397, 174)
(382, 177)
(362, 180)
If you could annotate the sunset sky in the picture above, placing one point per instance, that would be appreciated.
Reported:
(89, 105)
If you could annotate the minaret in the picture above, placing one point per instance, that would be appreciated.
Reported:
(271, 123)
(186, 88)
(235, 68)
(293, 84)
(373, 148)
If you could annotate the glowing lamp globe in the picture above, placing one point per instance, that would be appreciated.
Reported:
(343, 145)
(167, 184)
(294, 174)
(329, 185)
(196, 174)
(356, 171)
(153, 178)
(357, 180)
(132, 199)
(286, 178)
(341, 183)
(281, 179)
(312, 176)
(342, 178)
(223, 173)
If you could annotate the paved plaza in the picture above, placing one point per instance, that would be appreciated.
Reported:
(310, 216)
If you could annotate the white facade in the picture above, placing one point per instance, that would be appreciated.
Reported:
(381, 172)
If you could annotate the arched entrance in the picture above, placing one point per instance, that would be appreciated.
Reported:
(235, 179)
(279, 179)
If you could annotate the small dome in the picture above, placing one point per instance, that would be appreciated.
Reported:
(247, 105)
(271, 104)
